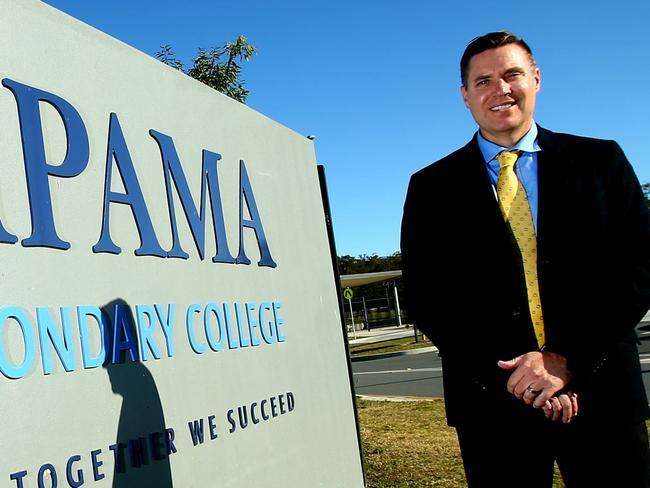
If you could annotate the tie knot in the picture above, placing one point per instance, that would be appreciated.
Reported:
(508, 158)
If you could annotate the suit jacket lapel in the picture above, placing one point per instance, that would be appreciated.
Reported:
(479, 185)
(485, 210)
(549, 180)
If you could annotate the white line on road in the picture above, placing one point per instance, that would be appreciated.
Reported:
(408, 370)
(644, 359)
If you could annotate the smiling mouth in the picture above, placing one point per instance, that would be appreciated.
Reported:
(503, 106)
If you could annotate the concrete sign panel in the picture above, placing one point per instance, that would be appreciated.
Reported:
(169, 315)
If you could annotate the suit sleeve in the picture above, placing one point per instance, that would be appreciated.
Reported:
(418, 249)
(634, 242)
(612, 323)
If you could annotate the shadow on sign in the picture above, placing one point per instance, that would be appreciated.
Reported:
(144, 444)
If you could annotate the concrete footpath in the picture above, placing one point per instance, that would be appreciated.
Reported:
(362, 365)
(387, 333)
(381, 334)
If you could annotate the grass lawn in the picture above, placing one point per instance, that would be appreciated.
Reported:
(408, 445)
(394, 345)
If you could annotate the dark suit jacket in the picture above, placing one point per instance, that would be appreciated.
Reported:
(465, 291)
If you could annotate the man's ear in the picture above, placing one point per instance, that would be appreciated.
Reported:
(463, 92)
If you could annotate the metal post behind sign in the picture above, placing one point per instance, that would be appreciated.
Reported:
(365, 313)
(330, 234)
(354, 330)
(348, 293)
(399, 315)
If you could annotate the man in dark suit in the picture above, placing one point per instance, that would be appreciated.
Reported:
(526, 260)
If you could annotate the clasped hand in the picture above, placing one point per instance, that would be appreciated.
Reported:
(540, 379)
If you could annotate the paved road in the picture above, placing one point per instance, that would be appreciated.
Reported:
(379, 334)
(409, 375)
(420, 375)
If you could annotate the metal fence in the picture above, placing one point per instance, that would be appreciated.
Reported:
(371, 313)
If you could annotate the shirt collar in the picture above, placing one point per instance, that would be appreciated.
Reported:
(528, 144)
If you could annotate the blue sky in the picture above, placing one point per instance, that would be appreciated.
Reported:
(377, 81)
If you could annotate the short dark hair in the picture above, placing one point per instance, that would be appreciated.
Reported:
(490, 41)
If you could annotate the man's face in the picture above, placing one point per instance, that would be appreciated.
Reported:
(501, 88)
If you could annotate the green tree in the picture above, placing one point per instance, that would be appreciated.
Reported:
(378, 296)
(368, 263)
(219, 67)
(371, 264)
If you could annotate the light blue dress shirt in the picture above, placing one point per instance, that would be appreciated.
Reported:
(526, 166)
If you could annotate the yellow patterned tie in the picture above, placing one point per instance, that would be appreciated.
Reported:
(516, 211)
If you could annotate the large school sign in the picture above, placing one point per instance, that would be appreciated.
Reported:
(168, 315)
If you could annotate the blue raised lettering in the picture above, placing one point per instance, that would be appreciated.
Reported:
(231, 421)
(37, 170)
(83, 311)
(189, 322)
(253, 323)
(266, 326)
(6, 366)
(167, 324)
(169, 441)
(196, 431)
(279, 321)
(62, 343)
(253, 416)
(243, 340)
(118, 151)
(265, 416)
(155, 445)
(137, 452)
(173, 171)
(129, 343)
(274, 407)
(210, 310)
(145, 315)
(18, 477)
(233, 342)
(118, 457)
(213, 428)
(41, 476)
(255, 222)
(72, 481)
(243, 416)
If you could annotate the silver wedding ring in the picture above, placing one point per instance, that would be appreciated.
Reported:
(531, 390)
